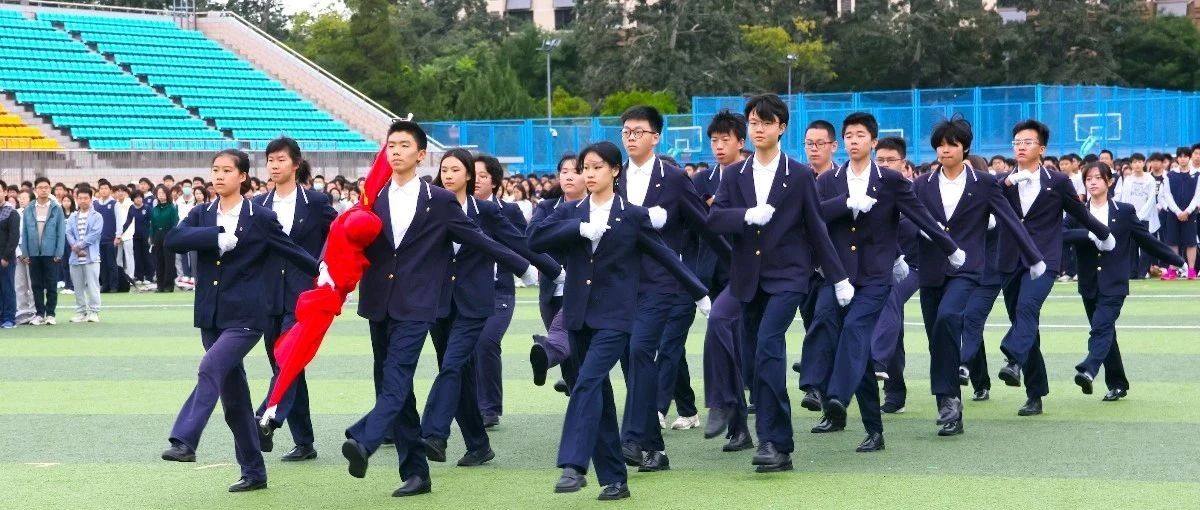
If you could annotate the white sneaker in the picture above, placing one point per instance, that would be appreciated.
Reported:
(93, 317)
(79, 317)
(881, 376)
(66, 291)
(37, 320)
(50, 320)
(1064, 278)
(662, 421)
(686, 422)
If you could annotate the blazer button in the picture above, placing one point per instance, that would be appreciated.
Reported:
(282, 271)
(452, 277)
(390, 276)
(852, 229)
(454, 259)
(947, 229)
(592, 261)
(214, 282)
(587, 282)
(218, 262)
(1098, 268)
(757, 252)
(759, 232)
(853, 248)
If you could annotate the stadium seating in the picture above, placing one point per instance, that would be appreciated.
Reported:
(15, 134)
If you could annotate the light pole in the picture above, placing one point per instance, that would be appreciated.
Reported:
(791, 62)
(548, 46)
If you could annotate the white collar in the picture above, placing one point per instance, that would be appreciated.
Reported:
(643, 170)
(606, 206)
(864, 176)
(409, 188)
(770, 166)
(235, 211)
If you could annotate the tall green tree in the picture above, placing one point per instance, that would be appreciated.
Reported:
(1165, 53)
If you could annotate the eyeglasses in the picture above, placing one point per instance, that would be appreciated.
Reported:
(755, 124)
(888, 161)
(636, 133)
(1025, 142)
(816, 144)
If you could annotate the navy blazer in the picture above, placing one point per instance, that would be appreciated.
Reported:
(779, 256)
(601, 288)
(405, 282)
(109, 214)
(866, 243)
(310, 227)
(471, 278)
(541, 211)
(1044, 221)
(967, 225)
(707, 182)
(230, 287)
(505, 282)
(705, 260)
(1107, 273)
(672, 189)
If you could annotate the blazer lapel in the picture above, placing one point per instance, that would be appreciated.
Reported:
(419, 217)
(615, 212)
(656, 180)
(1044, 188)
(969, 191)
(873, 181)
(1014, 197)
(302, 209)
(384, 212)
(745, 180)
(783, 174)
(933, 197)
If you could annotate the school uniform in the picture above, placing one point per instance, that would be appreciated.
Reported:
(1040, 204)
(230, 314)
(489, 370)
(1104, 283)
(769, 274)
(109, 275)
(305, 217)
(599, 308)
(962, 205)
(139, 219)
(1179, 190)
(973, 354)
(887, 339)
(555, 346)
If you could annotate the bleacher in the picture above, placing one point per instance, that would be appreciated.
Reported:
(15, 134)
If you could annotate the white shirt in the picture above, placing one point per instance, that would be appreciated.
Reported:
(457, 246)
(228, 220)
(121, 213)
(402, 207)
(764, 175)
(637, 180)
(1029, 190)
(1077, 181)
(1100, 213)
(1140, 192)
(285, 209)
(598, 215)
(856, 185)
(951, 190)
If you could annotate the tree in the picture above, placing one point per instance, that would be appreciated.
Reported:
(618, 102)
(267, 15)
(765, 56)
(566, 105)
(1163, 54)
(493, 92)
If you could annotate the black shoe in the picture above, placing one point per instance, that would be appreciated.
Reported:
(811, 401)
(570, 481)
(561, 387)
(953, 428)
(387, 441)
(767, 455)
(179, 452)
(835, 410)
(1032, 407)
(476, 458)
(632, 454)
(981, 395)
(964, 376)
(892, 408)
(751, 409)
(949, 410)
(354, 452)
(827, 425)
(1011, 374)
(539, 360)
(1115, 395)
(740, 441)
(1084, 380)
(796, 367)
(786, 465)
(413, 486)
(655, 461)
(266, 437)
(718, 421)
(299, 453)
(873, 443)
(435, 449)
(490, 421)
(247, 485)
(619, 490)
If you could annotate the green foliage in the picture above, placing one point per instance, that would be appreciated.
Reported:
(564, 104)
(768, 49)
(618, 102)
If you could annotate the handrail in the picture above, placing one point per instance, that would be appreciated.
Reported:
(90, 7)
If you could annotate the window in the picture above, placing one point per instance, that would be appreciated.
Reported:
(563, 18)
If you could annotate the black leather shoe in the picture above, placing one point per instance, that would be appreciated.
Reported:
(539, 360)
(740, 441)
(490, 421)
(835, 410)
(873, 443)
(718, 421)
(435, 449)
(179, 452)
(1032, 407)
(570, 481)
(1115, 395)
(964, 375)
(476, 458)
(561, 387)
(247, 485)
(751, 409)
(632, 454)
(619, 490)
(811, 401)
(266, 438)
(413, 486)
(299, 453)
(827, 425)
(981, 395)
(1084, 380)
(892, 408)
(1011, 374)
(953, 428)
(796, 367)
(767, 455)
(786, 465)
(949, 411)
(655, 461)
(356, 453)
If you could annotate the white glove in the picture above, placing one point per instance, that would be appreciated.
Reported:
(1037, 270)
(704, 305)
(991, 221)
(861, 204)
(1107, 244)
(593, 231)
(759, 214)
(899, 269)
(1019, 176)
(820, 271)
(561, 278)
(530, 277)
(268, 415)
(958, 258)
(323, 277)
(658, 217)
(844, 292)
(226, 242)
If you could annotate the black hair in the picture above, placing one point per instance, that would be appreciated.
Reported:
(241, 161)
(565, 158)
(608, 152)
(303, 172)
(647, 113)
(953, 131)
(1183, 151)
(894, 143)
(863, 119)
(1042, 131)
(103, 182)
(166, 193)
(768, 107)
(122, 188)
(40, 180)
(1051, 159)
(1073, 157)
(669, 160)
(1091, 158)
(494, 169)
(1106, 151)
(1137, 156)
(168, 176)
(693, 165)
(825, 126)
(292, 148)
(994, 158)
(463, 156)
(703, 165)
(412, 128)
(146, 181)
(1105, 171)
(1194, 149)
(83, 189)
(727, 122)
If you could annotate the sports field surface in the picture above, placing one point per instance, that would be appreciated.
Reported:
(85, 411)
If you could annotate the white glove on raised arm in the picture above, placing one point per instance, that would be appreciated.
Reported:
(759, 214)
(593, 231)
(658, 217)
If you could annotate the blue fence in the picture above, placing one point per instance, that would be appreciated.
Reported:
(1081, 119)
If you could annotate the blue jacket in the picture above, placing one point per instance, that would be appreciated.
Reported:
(505, 284)
(541, 212)
(706, 261)
(108, 213)
(309, 230)
(53, 240)
(1107, 273)
(1044, 221)
(90, 239)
